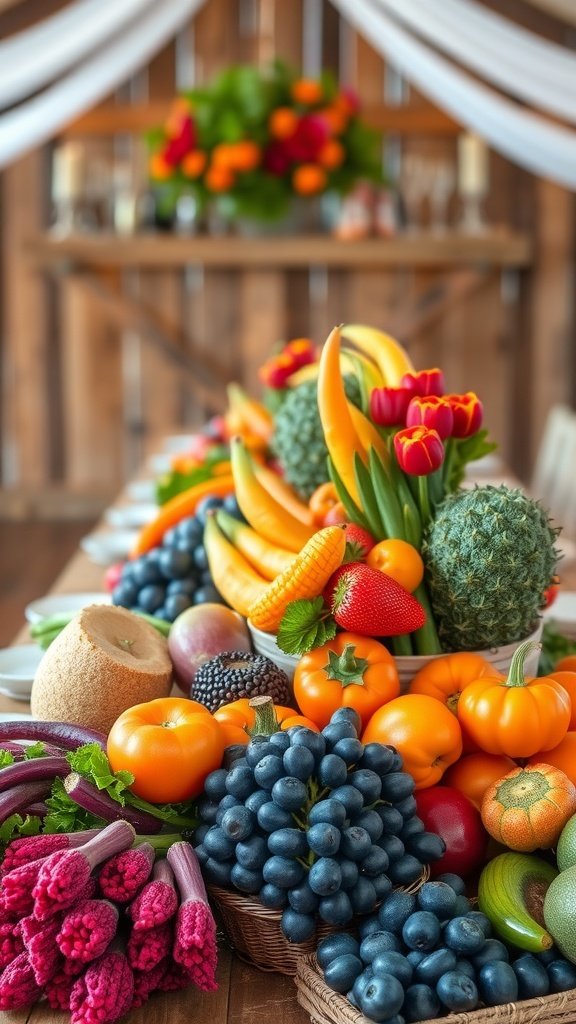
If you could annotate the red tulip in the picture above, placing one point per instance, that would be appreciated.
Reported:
(388, 406)
(431, 411)
(468, 412)
(419, 450)
(425, 382)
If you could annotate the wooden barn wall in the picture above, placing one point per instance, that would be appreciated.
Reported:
(81, 396)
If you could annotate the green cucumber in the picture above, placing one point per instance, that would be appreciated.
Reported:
(510, 891)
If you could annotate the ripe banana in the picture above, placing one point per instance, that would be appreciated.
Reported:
(234, 578)
(267, 559)
(390, 357)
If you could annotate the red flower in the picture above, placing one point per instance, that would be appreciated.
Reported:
(425, 382)
(419, 450)
(276, 158)
(310, 135)
(431, 411)
(467, 411)
(179, 145)
(388, 406)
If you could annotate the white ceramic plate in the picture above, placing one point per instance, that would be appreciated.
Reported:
(105, 547)
(17, 670)
(143, 491)
(53, 604)
(131, 516)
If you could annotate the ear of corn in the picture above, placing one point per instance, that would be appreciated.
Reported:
(266, 558)
(305, 578)
(265, 515)
(234, 578)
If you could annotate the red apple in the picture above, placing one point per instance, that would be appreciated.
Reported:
(453, 816)
(201, 632)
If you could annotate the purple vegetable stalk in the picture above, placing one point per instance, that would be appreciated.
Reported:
(195, 942)
(158, 900)
(23, 794)
(86, 795)
(33, 770)
(87, 930)
(64, 874)
(66, 735)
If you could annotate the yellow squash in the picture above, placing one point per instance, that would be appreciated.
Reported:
(266, 558)
(234, 578)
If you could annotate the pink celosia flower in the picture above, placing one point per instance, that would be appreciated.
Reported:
(87, 930)
(10, 942)
(124, 874)
(195, 941)
(147, 948)
(18, 986)
(104, 992)
(40, 942)
(28, 848)
(146, 982)
(158, 900)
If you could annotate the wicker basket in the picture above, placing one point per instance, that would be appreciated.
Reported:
(328, 1007)
(254, 932)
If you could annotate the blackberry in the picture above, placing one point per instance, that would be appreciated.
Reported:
(235, 674)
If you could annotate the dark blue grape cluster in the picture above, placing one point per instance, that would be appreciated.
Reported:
(313, 824)
(429, 953)
(170, 578)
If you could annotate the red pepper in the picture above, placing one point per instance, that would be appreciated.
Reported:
(453, 816)
(431, 411)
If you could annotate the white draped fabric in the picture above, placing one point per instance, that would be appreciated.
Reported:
(40, 118)
(535, 70)
(31, 59)
(526, 138)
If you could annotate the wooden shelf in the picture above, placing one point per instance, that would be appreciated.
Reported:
(494, 247)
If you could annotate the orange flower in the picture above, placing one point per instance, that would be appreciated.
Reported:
(179, 110)
(223, 155)
(331, 155)
(307, 91)
(309, 179)
(194, 163)
(335, 118)
(244, 156)
(282, 123)
(218, 178)
(159, 169)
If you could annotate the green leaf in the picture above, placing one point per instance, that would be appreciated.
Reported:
(554, 646)
(306, 624)
(34, 750)
(465, 450)
(64, 813)
(16, 826)
(91, 763)
(6, 759)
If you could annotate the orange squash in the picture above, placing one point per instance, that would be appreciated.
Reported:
(445, 677)
(527, 809)
(563, 756)
(515, 715)
(425, 733)
(242, 718)
(567, 679)
(473, 774)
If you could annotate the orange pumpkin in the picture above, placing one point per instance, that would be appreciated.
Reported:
(527, 809)
(444, 678)
(239, 720)
(563, 756)
(567, 679)
(514, 715)
(473, 774)
(425, 733)
(566, 664)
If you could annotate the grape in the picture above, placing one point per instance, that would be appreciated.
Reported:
(217, 844)
(347, 714)
(271, 817)
(406, 870)
(337, 731)
(218, 872)
(438, 897)
(323, 839)
(363, 895)
(382, 885)
(240, 781)
(421, 930)
(303, 900)
(273, 897)
(238, 823)
(464, 936)
(247, 880)
(325, 876)
(394, 963)
(257, 748)
(145, 570)
(207, 595)
(333, 812)
(396, 910)
(355, 842)
(280, 741)
(369, 784)
(125, 594)
(297, 927)
(283, 871)
(314, 741)
(350, 797)
(393, 846)
(391, 819)
(207, 809)
(225, 804)
(482, 920)
(268, 771)
(204, 506)
(186, 587)
(341, 973)
(288, 842)
(332, 771)
(252, 852)
(199, 557)
(382, 998)
(151, 597)
(381, 759)
(349, 871)
(189, 529)
(349, 749)
(376, 943)
(255, 800)
(407, 807)
(371, 822)
(457, 883)
(376, 862)
(289, 793)
(174, 564)
(336, 909)
(298, 762)
(174, 605)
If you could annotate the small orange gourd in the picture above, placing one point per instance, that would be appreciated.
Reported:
(515, 715)
(527, 809)
(445, 677)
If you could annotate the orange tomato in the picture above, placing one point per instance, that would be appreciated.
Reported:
(349, 671)
(473, 774)
(219, 179)
(169, 745)
(425, 733)
(331, 155)
(399, 560)
(283, 122)
(567, 679)
(563, 756)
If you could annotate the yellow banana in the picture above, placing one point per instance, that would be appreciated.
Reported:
(350, 362)
(267, 559)
(234, 578)
(366, 431)
(340, 434)
(390, 357)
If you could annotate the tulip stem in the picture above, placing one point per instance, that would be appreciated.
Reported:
(424, 499)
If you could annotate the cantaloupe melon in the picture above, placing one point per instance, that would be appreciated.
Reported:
(104, 661)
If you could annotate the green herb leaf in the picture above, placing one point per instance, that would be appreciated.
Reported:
(467, 449)
(554, 647)
(33, 750)
(16, 826)
(6, 759)
(64, 813)
(91, 763)
(305, 625)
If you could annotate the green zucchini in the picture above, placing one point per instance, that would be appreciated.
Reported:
(511, 893)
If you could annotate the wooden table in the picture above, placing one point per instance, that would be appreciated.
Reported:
(244, 994)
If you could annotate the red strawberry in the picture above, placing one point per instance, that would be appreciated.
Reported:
(364, 600)
(358, 543)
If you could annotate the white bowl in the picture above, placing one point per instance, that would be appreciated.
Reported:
(131, 516)
(105, 547)
(54, 604)
(17, 670)
(177, 444)
(265, 643)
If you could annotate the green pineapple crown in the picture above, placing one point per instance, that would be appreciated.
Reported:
(490, 555)
(298, 439)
